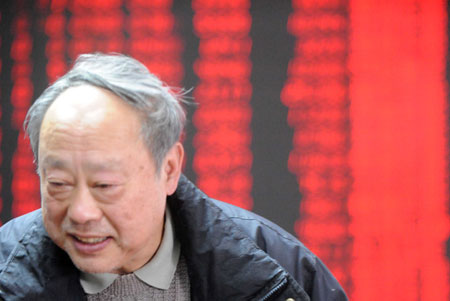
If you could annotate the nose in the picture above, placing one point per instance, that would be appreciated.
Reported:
(83, 207)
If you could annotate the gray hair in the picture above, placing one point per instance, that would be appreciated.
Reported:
(163, 116)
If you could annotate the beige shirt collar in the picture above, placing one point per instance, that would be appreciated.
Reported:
(158, 272)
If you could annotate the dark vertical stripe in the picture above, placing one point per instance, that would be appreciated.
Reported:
(38, 57)
(184, 14)
(9, 135)
(275, 190)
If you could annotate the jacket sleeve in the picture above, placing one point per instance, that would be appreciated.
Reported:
(305, 267)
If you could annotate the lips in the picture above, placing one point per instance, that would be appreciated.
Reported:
(90, 245)
(90, 240)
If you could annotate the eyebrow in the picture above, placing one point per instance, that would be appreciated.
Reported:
(50, 161)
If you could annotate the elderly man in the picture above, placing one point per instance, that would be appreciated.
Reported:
(119, 221)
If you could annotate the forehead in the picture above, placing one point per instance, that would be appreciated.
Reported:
(88, 107)
(88, 104)
(57, 162)
(86, 118)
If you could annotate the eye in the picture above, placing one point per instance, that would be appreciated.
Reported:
(58, 186)
(56, 183)
(103, 185)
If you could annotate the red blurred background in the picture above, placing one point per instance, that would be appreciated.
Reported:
(328, 117)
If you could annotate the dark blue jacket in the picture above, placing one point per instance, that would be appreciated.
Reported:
(232, 254)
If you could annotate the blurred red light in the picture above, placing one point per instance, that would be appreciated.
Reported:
(316, 93)
(223, 158)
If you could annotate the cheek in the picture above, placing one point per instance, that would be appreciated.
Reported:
(139, 214)
(53, 216)
(53, 212)
(148, 196)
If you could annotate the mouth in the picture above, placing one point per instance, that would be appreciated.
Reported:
(90, 245)
(90, 240)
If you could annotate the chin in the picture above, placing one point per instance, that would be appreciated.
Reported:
(88, 266)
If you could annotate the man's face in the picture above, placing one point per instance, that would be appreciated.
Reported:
(103, 202)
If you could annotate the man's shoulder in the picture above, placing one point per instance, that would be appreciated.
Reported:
(268, 236)
(306, 268)
(17, 231)
(260, 229)
(271, 238)
(223, 222)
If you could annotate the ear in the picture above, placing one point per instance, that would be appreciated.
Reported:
(171, 168)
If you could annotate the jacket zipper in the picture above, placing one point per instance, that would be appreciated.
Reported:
(275, 290)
